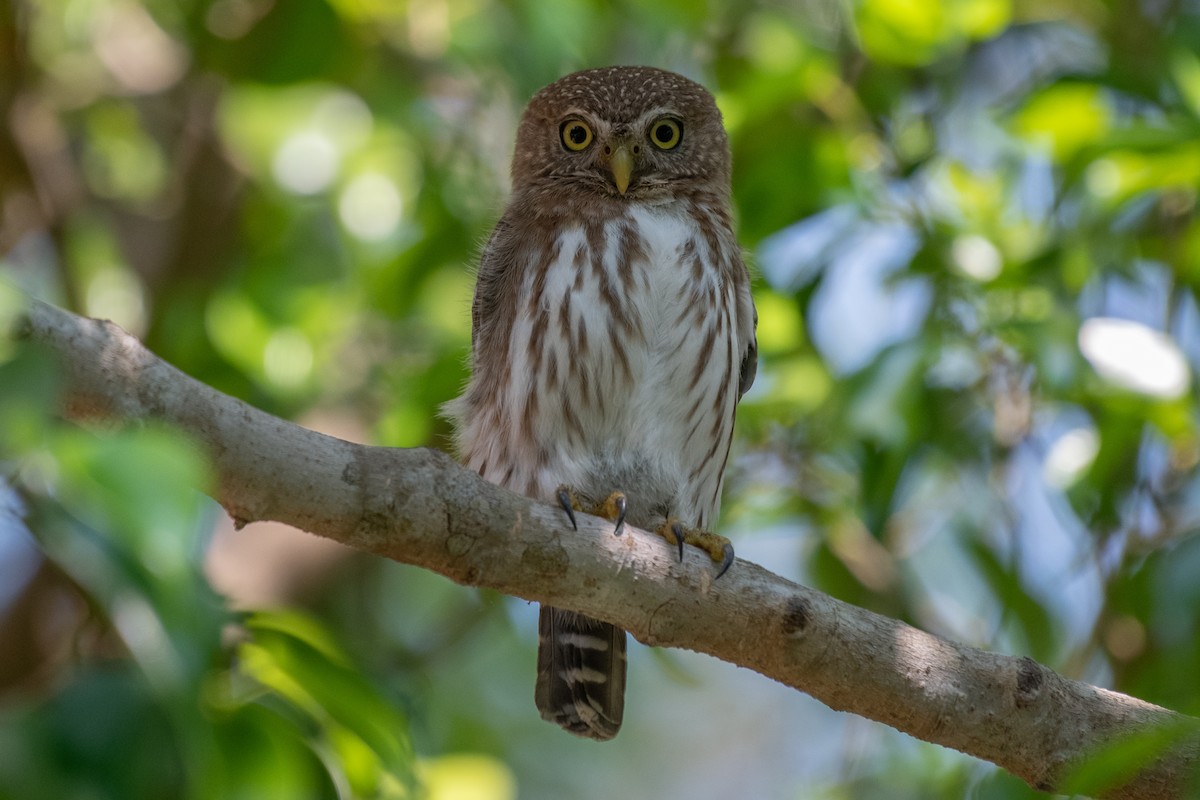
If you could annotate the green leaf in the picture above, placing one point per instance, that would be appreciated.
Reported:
(294, 657)
(1114, 763)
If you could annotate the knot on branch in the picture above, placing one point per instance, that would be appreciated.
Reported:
(796, 615)
(1029, 682)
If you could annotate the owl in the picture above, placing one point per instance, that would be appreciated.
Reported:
(613, 334)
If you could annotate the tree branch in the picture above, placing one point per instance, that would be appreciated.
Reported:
(419, 507)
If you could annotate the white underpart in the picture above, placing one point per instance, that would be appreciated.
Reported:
(633, 431)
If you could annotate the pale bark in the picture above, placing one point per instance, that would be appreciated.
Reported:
(419, 507)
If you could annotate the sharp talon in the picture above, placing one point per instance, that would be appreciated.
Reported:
(564, 500)
(620, 528)
(726, 562)
(677, 529)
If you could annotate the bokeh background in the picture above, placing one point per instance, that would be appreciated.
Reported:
(974, 234)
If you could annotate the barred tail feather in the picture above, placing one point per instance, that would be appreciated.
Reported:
(581, 673)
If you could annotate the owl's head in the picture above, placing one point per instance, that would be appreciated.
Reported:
(624, 132)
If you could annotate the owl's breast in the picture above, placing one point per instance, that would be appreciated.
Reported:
(645, 345)
(620, 365)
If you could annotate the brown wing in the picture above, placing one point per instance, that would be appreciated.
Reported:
(747, 322)
(492, 282)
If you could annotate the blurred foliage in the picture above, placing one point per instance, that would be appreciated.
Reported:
(975, 233)
(158, 704)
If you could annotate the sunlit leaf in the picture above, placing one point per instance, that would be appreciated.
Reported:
(465, 776)
(905, 32)
(1066, 118)
(296, 658)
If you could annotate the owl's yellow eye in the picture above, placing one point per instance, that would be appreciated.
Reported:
(666, 133)
(576, 135)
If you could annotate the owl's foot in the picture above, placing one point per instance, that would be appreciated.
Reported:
(612, 508)
(569, 502)
(718, 547)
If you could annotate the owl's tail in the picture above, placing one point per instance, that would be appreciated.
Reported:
(581, 673)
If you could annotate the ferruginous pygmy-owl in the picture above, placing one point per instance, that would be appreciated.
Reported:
(612, 337)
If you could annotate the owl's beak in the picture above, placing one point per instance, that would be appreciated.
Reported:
(621, 164)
